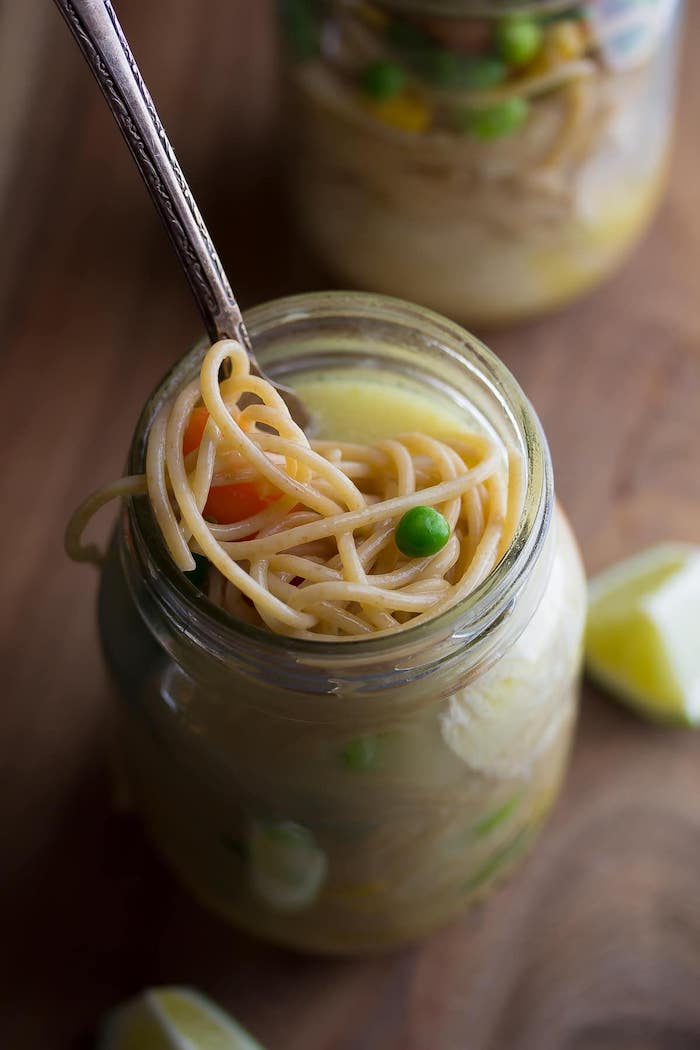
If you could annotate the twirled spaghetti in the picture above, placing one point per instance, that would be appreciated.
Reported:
(314, 554)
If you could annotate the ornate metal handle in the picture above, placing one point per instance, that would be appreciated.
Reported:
(100, 37)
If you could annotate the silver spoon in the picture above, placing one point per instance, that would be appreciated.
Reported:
(101, 38)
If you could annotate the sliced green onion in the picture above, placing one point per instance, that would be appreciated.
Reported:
(498, 816)
(499, 860)
(287, 867)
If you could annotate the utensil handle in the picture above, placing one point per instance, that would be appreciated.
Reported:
(96, 28)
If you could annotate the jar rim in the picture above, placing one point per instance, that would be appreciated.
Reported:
(463, 622)
(477, 8)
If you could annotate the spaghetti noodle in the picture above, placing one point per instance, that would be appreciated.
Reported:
(312, 554)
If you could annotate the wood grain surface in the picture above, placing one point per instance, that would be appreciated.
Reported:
(596, 944)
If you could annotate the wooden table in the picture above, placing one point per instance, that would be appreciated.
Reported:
(596, 945)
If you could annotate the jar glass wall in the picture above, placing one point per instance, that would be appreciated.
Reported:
(344, 797)
(489, 159)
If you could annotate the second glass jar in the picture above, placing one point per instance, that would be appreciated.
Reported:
(490, 159)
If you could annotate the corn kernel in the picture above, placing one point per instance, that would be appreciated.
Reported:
(405, 111)
(565, 41)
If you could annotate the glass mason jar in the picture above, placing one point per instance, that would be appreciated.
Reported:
(490, 159)
(344, 797)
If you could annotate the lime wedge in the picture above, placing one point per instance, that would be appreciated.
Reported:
(173, 1019)
(643, 633)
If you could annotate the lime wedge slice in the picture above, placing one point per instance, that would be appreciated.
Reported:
(643, 633)
(173, 1019)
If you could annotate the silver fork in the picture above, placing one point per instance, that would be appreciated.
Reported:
(96, 28)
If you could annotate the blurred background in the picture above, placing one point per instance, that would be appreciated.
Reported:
(597, 943)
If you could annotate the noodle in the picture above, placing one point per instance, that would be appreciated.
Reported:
(319, 559)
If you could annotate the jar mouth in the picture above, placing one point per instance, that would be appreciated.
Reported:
(461, 624)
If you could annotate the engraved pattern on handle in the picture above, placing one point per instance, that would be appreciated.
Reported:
(96, 28)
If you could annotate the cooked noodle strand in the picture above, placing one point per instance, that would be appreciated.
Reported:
(316, 557)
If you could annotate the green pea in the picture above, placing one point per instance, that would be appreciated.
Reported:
(300, 27)
(492, 122)
(198, 575)
(518, 39)
(446, 69)
(383, 80)
(361, 754)
(422, 531)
